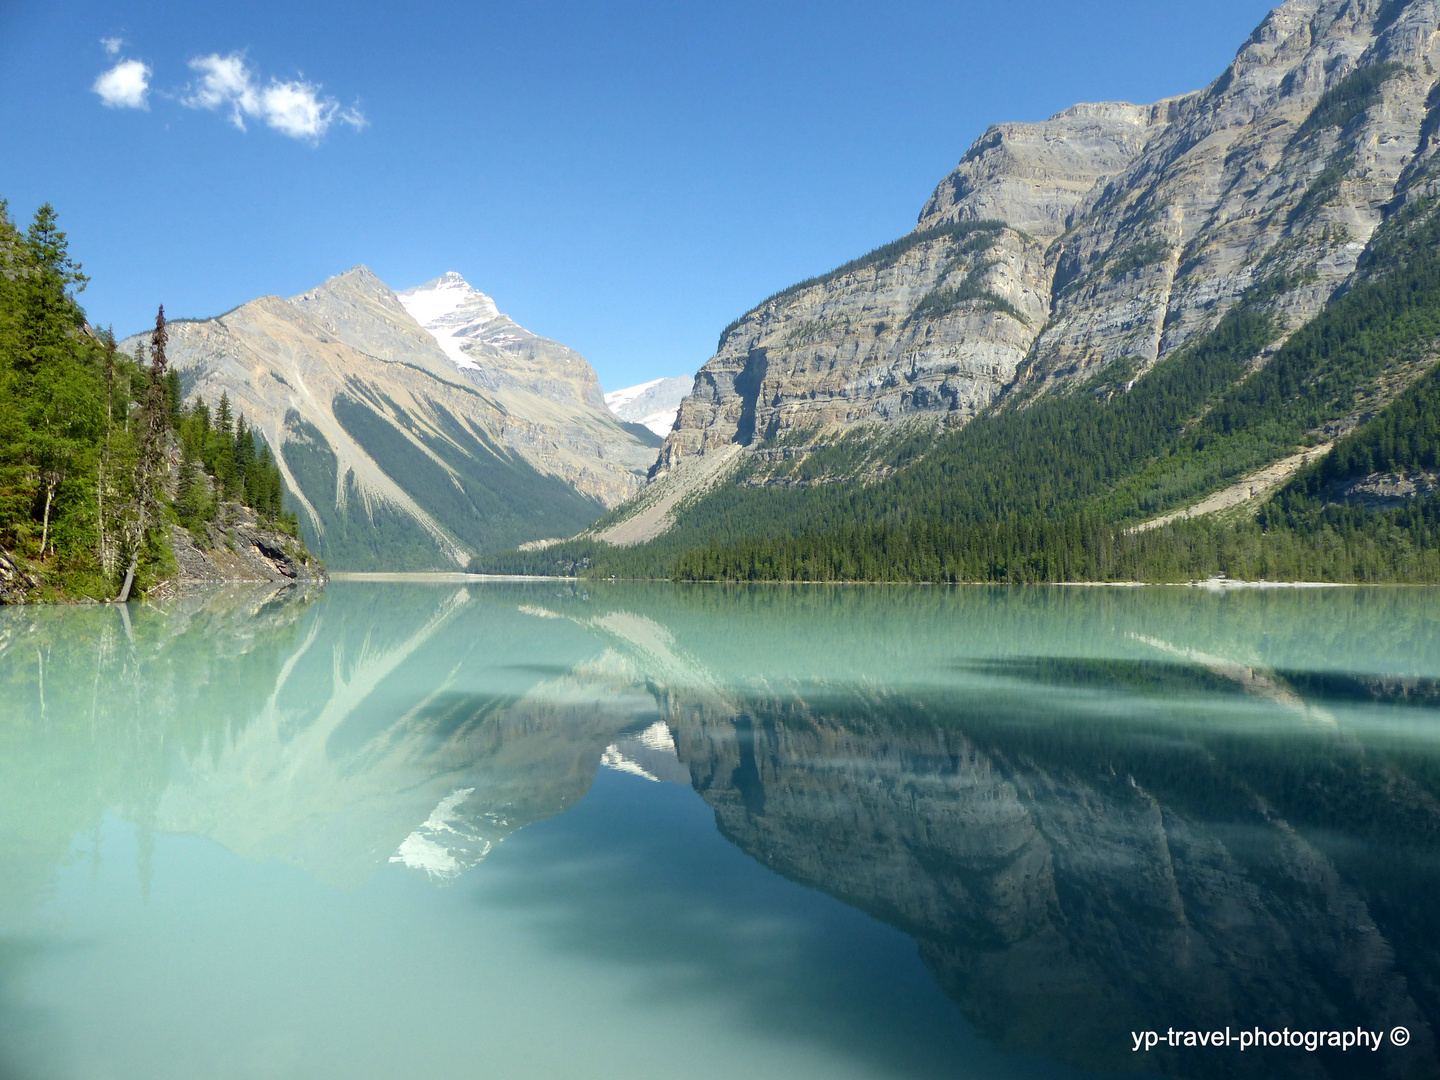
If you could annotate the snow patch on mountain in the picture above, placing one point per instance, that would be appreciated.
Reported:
(438, 847)
(618, 399)
(654, 403)
(452, 310)
(649, 754)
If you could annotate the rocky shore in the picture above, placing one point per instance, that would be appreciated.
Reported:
(233, 549)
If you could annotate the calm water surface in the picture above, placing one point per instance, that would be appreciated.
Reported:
(403, 830)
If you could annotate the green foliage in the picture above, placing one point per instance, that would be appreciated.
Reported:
(1340, 545)
(1146, 253)
(1350, 97)
(221, 460)
(52, 408)
(940, 302)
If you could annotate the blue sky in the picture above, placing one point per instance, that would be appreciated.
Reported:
(625, 178)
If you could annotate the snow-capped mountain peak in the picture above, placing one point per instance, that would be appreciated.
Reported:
(654, 403)
(617, 399)
(452, 310)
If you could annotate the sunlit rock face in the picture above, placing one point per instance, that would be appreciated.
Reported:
(410, 446)
(1127, 231)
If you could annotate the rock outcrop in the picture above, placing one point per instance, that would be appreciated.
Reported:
(16, 582)
(233, 549)
(1110, 232)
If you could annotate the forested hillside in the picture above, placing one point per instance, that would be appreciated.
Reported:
(1051, 489)
(99, 457)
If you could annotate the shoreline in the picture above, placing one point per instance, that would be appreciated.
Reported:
(1209, 584)
(436, 577)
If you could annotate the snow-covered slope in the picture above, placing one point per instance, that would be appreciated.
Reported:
(453, 311)
(652, 403)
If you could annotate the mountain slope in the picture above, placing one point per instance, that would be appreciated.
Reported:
(1110, 232)
(1251, 272)
(396, 457)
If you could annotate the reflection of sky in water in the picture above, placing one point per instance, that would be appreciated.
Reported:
(624, 939)
(364, 834)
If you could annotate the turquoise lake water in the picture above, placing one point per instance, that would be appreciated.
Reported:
(555, 830)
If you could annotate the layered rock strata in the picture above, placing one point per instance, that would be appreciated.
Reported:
(1110, 232)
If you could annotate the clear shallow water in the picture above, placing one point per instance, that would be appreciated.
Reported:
(629, 831)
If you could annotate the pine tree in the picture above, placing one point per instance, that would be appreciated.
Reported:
(244, 463)
(105, 551)
(54, 377)
(190, 501)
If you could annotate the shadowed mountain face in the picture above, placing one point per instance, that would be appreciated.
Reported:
(1094, 813)
(398, 454)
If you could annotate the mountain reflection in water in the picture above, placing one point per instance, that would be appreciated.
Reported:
(1094, 811)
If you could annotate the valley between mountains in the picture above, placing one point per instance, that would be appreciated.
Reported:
(1159, 342)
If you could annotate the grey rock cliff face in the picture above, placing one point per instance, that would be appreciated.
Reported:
(1035, 177)
(1128, 230)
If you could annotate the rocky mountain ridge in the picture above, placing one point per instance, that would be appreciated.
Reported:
(1109, 234)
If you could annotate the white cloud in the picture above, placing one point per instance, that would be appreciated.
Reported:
(111, 45)
(125, 85)
(224, 80)
(295, 108)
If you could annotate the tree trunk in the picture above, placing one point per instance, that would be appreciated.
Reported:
(45, 532)
(124, 597)
(100, 514)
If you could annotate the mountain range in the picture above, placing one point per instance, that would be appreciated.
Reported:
(1108, 332)
(1122, 317)
(414, 430)
(1109, 233)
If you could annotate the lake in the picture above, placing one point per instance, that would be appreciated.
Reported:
(568, 830)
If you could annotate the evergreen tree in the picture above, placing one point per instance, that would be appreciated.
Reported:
(151, 461)
(191, 503)
(244, 463)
